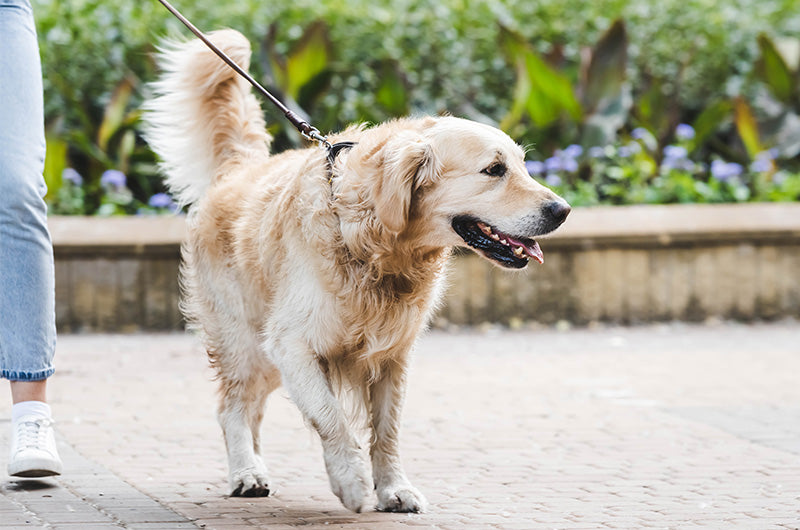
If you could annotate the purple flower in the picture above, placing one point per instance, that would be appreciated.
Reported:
(684, 131)
(553, 180)
(113, 178)
(763, 161)
(769, 154)
(570, 165)
(725, 171)
(676, 157)
(624, 151)
(634, 147)
(639, 133)
(735, 169)
(761, 165)
(534, 167)
(573, 151)
(677, 163)
(675, 152)
(597, 152)
(553, 164)
(70, 175)
(161, 200)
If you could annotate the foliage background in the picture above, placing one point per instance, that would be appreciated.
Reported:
(730, 69)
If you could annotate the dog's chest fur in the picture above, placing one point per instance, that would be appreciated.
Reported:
(373, 316)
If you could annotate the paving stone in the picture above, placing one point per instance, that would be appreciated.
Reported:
(669, 426)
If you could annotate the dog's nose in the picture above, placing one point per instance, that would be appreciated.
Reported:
(557, 211)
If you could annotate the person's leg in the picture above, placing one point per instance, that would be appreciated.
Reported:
(28, 391)
(27, 292)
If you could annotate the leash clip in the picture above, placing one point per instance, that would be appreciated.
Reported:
(314, 135)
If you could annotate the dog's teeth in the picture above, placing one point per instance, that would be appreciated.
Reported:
(485, 229)
(518, 251)
(495, 237)
(503, 242)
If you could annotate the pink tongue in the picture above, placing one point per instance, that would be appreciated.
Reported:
(532, 250)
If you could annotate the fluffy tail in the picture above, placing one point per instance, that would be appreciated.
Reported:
(203, 118)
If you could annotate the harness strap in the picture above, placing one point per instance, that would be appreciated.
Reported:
(335, 149)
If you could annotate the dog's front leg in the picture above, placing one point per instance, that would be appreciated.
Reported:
(310, 390)
(395, 492)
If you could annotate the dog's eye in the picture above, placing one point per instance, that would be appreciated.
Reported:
(497, 169)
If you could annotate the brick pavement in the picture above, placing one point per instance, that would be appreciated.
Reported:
(669, 426)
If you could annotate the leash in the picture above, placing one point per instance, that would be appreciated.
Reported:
(306, 129)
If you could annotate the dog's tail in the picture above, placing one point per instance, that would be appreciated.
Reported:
(203, 119)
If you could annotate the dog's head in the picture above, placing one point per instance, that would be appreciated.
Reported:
(451, 182)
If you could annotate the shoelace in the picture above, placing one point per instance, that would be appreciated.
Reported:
(33, 434)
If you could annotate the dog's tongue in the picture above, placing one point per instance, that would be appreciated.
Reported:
(532, 249)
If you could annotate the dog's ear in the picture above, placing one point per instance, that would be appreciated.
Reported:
(408, 163)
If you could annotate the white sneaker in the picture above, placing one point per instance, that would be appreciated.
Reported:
(33, 448)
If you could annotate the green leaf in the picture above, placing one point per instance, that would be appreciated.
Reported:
(605, 75)
(606, 96)
(513, 44)
(747, 127)
(391, 92)
(772, 70)
(307, 59)
(114, 113)
(522, 92)
(312, 91)
(55, 162)
(126, 147)
(710, 120)
(652, 108)
(541, 91)
(550, 94)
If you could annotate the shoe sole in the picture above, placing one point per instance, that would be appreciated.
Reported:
(35, 473)
(34, 468)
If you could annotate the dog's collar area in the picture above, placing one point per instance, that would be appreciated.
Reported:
(335, 149)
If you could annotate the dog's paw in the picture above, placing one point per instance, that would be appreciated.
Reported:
(354, 491)
(404, 498)
(249, 482)
(350, 480)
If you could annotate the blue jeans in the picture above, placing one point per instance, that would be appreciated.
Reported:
(27, 283)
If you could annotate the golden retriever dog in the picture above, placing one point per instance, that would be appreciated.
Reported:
(320, 275)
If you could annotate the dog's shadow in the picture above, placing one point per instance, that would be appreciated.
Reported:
(306, 514)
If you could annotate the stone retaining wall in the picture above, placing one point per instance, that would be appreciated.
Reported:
(620, 264)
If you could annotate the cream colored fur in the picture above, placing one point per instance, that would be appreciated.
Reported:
(317, 280)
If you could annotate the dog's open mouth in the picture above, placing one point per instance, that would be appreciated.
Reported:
(508, 251)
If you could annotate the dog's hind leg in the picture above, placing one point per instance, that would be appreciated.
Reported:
(395, 492)
(241, 408)
(311, 392)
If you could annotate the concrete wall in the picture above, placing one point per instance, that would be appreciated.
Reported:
(117, 274)
(621, 264)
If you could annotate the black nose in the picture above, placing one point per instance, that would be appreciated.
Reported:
(557, 211)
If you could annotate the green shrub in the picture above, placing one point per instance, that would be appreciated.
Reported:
(685, 61)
